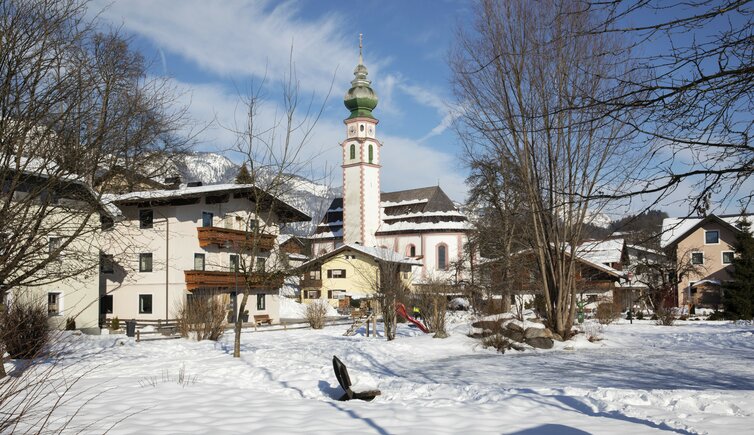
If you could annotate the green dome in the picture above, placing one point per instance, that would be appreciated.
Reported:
(361, 98)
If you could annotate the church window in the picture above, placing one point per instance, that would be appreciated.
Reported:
(371, 153)
(361, 127)
(353, 151)
(442, 257)
(410, 251)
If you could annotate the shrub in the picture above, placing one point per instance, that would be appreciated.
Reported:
(203, 316)
(70, 324)
(639, 315)
(607, 312)
(316, 313)
(433, 305)
(592, 331)
(115, 324)
(501, 343)
(24, 329)
(664, 317)
(722, 315)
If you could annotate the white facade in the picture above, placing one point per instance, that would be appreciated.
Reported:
(173, 244)
(361, 181)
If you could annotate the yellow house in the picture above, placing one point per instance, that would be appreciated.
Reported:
(352, 272)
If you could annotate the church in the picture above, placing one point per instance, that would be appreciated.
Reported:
(422, 224)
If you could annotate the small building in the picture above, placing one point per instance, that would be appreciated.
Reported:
(352, 271)
(706, 243)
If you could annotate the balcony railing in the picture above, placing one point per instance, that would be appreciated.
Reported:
(196, 279)
(237, 239)
(307, 282)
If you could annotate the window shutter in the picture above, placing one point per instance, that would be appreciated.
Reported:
(329, 294)
(329, 273)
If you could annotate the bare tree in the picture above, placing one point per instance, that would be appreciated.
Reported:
(275, 151)
(521, 75)
(692, 99)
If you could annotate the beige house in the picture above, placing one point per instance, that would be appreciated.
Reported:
(706, 243)
(191, 240)
(68, 242)
(351, 272)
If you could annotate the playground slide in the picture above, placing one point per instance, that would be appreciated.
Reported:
(401, 309)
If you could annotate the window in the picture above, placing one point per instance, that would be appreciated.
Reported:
(442, 257)
(260, 302)
(697, 258)
(349, 257)
(234, 263)
(146, 218)
(198, 261)
(106, 222)
(145, 262)
(260, 264)
(314, 274)
(106, 263)
(145, 304)
(371, 153)
(728, 257)
(55, 243)
(53, 304)
(336, 294)
(207, 219)
(411, 251)
(313, 294)
(106, 304)
(251, 225)
(711, 237)
(336, 273)
(353, 151)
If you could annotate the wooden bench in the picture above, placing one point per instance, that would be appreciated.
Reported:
(341, 373)
(261, 319)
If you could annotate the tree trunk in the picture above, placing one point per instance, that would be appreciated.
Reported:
(239, 324)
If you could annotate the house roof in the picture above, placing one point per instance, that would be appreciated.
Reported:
(412, 210)
(380, 254)
(286, 212)
(599, 266)
(674, 229)
(601, 251)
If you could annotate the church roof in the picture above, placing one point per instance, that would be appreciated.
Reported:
(426, 209)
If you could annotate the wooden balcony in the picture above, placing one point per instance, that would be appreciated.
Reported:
(196, 279)
(307, 282)
(597, 285)
(236, 239)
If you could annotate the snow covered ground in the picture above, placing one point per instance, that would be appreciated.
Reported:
(696, 377)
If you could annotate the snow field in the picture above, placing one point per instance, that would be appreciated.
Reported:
(696, 377)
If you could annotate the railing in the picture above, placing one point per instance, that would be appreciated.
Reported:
(310, 283)
(196, 279)
(597, 285)
(237, 239)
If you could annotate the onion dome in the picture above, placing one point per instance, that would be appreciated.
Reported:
(361, 98)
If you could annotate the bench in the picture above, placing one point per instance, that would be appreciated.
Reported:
(261, 319)
(341, 373)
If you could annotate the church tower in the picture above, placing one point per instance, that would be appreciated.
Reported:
(361, 161)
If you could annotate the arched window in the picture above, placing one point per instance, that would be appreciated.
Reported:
(442, 257)
(353, 151)
(410, 251)
(371, 153)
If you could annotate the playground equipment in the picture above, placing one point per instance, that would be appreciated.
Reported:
(401, 310)
(359, 322)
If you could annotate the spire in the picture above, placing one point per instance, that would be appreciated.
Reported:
(361, 58)
(361, 98)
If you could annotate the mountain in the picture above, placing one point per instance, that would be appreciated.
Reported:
(308, 196)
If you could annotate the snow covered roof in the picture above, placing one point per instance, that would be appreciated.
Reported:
(675, 228)
(601, 251)
(287, 212)
(414, 210)
(382, 254)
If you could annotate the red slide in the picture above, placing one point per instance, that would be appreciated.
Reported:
(401, 309)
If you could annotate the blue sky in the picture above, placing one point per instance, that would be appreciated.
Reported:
(211, 48)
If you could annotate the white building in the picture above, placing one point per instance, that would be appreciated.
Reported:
(190, 240)
(422, 223)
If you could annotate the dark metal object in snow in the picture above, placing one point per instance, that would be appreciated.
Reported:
(341, 372)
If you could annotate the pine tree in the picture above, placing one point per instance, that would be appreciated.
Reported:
(244, 177)
(739, 294)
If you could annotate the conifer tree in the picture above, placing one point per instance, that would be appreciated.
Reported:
(244, 177)
(739, 294)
